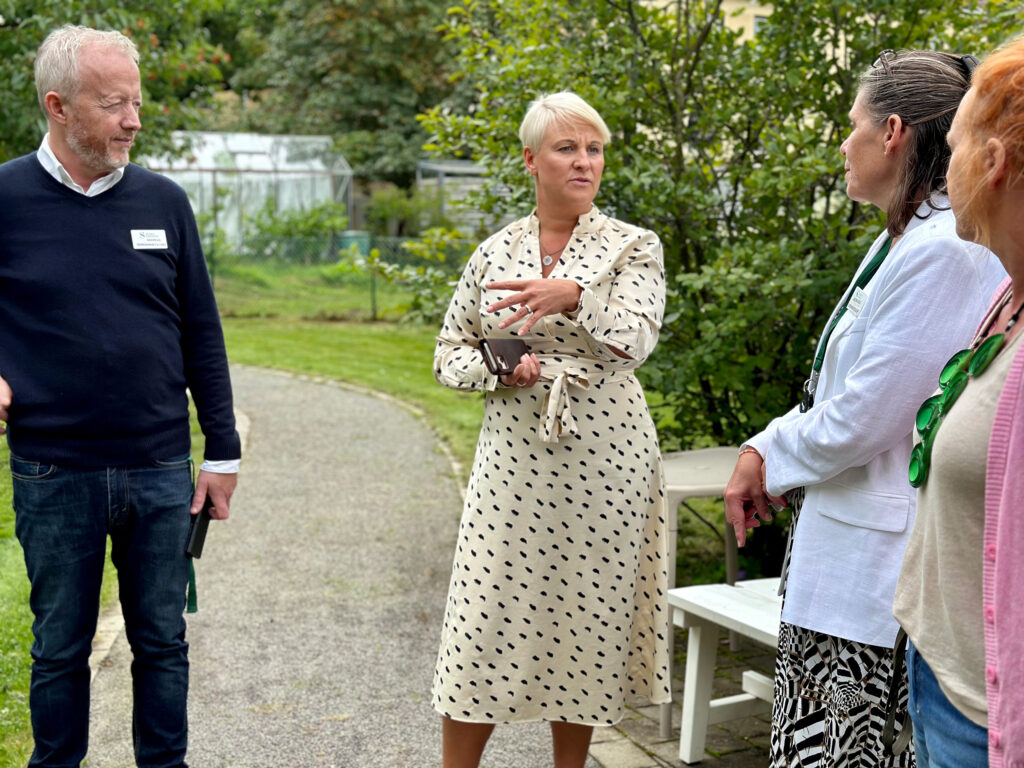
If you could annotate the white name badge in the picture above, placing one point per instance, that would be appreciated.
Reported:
(145, 239)
(857, 301)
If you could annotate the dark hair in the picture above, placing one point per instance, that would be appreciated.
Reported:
(924, 88)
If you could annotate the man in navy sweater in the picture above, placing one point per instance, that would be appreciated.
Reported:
(108, 316)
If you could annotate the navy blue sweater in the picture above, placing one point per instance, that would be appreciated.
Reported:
(98, 338)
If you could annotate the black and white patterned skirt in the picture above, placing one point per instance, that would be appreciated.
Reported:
(830, 703)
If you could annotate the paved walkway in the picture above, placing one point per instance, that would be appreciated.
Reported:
(320, 603)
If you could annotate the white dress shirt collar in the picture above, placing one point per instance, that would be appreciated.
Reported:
(55, 168)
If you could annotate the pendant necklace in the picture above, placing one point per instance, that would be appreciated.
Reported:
(549, 258)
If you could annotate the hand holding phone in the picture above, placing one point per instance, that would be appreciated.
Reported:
(197, 529)
(501, 356)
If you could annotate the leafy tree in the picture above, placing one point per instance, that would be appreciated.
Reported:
(176, 61)
(727, 149)
(394, 212)
(360, 70)
(241, 28)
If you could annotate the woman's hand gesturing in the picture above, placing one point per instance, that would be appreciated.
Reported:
(535, 298)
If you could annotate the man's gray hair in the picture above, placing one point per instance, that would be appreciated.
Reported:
(56, 67)
(563, 107)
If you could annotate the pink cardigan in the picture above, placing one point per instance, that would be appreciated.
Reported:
(1003, 592)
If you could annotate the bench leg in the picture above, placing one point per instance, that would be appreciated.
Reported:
(665, 713)
(701, 651)
(665, 721)
(732, 572)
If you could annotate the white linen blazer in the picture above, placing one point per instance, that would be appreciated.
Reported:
(851, 450)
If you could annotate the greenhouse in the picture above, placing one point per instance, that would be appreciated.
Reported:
(231, 178)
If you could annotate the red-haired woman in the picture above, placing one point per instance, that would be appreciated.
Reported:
(959, 592)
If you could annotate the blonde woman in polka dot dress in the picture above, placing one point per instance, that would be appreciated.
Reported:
(556, 609)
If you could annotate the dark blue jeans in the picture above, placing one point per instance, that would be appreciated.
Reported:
(62, 519)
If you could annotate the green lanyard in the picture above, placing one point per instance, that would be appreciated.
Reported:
(192, 596)
(862, 280)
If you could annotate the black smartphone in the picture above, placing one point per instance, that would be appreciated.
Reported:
(501, 356)
(197, 530)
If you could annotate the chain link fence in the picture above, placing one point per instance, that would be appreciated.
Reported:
(403, 277)
(327, 249)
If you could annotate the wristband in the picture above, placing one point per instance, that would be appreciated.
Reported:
(579, 305)
(750, 450)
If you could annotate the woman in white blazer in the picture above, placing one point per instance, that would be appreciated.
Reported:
(915, 300)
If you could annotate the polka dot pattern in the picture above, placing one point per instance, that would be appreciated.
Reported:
(556, 608)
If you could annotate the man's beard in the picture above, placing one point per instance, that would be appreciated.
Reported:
(96, 156)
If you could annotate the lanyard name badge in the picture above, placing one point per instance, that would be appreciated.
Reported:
(853, 300)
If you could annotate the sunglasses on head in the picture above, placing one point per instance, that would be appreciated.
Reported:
(885, 58)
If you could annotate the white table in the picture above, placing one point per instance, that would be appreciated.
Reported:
(750, 608)
(688, 475)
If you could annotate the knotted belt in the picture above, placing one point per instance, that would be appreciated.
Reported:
(556, 419)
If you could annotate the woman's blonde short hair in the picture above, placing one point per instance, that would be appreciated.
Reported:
(562, 107)
(56, 66)
(997, 112)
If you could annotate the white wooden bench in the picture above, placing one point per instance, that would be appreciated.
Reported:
(749, 608)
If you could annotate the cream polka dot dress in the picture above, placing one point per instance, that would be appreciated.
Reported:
(557, 607)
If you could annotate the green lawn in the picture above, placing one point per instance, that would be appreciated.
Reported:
(391, 358)
(312, 319)
(271, 290)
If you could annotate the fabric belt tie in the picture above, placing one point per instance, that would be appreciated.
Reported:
(556, 419)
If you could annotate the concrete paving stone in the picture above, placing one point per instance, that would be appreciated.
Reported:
(622, 754)
(648, 710)
(745, 759)
(722, 740)
(757, 727)
(667, 751)
(761, 743)
(668, 754)
(642, 730)
(652, 712)
(602, 735)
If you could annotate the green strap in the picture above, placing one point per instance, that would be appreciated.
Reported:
(862, 279)
(191, 602)
(192, 605)
(811, 385)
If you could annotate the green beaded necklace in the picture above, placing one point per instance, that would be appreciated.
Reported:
(964, 364)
